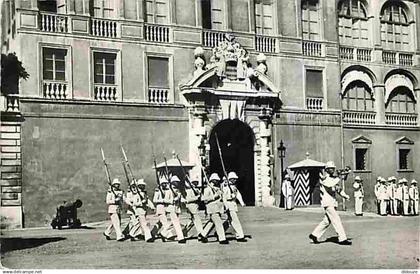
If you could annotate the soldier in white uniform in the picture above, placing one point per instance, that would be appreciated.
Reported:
(288, 192)
(212, 197)
(376, 189)
(114, 199)
(129, 200)
(358, 196)
(230, 194)
(173, 200)
(191, 200)
(392, 193)
(414, 197)
(405, 197)
(158, 199)
(329, 187)
(399, 197)
(383, 197)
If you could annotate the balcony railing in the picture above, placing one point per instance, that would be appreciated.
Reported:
(104, 28)
(314, 103)
(53, 23)
(10, 103)
(350, 53)
(156, 33)
(401, 119)
(310, 48)
(265, 43)
(359, 117)
(389, 57)
(212, 38)
(105, 92)
(158, 95)
(405, 59)
(55, 90)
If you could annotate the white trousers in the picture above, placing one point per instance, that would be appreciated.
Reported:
(382, 206)
(177, 225)
(288, 202)
(114, 225)
(393, 204)
(140, 225)
(331, 217)
(196, 222)
(217, 222)
(414, 207)
(236, 224)
(358, 205)
(406, 203)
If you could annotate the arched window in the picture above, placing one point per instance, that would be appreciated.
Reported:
(401, 101)
(353, 23)
(311, 27)
(395, 27)
(357, 97)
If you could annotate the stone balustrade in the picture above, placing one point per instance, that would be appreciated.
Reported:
(311, 48)
(359, 117)
(389, 57)
(55, 90)
(265, 43)
(364, 55)
(357, 54)
(346, 53)
(53, 23)
(401, 119)
(212, 38)
(105, 92)
(10, 103)
(156, 33)
(405, 59)
(104, 28)
(158, 95)
(314, 103)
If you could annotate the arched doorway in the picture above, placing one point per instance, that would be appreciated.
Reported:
(236, 141)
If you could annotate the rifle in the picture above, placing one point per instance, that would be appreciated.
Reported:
(127, 170)
(186, 177)
(107, 172)
(223, 164)
(156, 173)
(167, 173)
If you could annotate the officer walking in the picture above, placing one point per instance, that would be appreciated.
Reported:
(158, 200)
(114, 199)
(358, 196)
(329, 187)
(192, 197)
(414, 198)
(212, 198)
(376, 189)
(288, 192)
(405, 197)
(230, 194)
(129, 201)
(173, 200)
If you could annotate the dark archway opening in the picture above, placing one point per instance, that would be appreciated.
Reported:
(237, 145)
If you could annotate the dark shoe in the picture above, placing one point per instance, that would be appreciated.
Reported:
(151, 240)
(106, 236)
(345, 242)
(225, 242)
(314, 239)
(183, 241)
(242, 240)
(204, 240)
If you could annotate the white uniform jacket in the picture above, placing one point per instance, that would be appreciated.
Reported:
(158, 199)
(212, 197)
(414, 193)
(114, 202)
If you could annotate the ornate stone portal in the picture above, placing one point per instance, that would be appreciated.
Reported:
(228, 87)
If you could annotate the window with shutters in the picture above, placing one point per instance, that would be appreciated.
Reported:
(353, 23)
(264, 17)
(213, 14)
(104, 68)
(158, 80)
(54, 64)
(311, 27)
(358, 98)
(157, 11)
(361, 158)
(401, 101)
(361, 154)
(405, 150)
(404, 158)
(314, 86)
(395, 29)
(104, 9)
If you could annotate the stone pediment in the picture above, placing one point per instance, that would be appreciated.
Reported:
(361, 140)
(404, 141)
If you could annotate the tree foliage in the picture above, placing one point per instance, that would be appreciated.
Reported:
(11, 70)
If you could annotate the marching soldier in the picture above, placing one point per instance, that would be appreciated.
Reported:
(414, 197)
(376, 188)
(405, 197)
(392, 193)
(358, 196)
(114, 199)
(158, 200)
(230, 194)
(140, 203)
(129, 200)
(383, 197)
(173, 200)
(288, 192)
(192, 197)
(212, 198)
(329, 187)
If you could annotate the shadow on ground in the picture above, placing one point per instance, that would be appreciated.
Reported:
(18, 243)
(80, 227)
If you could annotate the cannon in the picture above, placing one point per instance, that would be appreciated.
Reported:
(66, 215)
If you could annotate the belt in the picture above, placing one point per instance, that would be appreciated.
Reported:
(193, 202)
(231, 200)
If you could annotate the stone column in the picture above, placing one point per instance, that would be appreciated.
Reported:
(379, 91)
(265, 172)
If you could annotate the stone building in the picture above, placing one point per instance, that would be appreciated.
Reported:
(336, 79)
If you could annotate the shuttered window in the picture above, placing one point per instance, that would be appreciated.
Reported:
(213, 14)
(401, 101)
(353, 23)
(264, 17)
(104, 68)
(311, 20)
(158, 72)
(157, 11)
(394, 27)
(314, 83)
(358, 98)
(104, 8)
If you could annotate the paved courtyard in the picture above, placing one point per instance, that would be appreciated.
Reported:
(277, 239)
